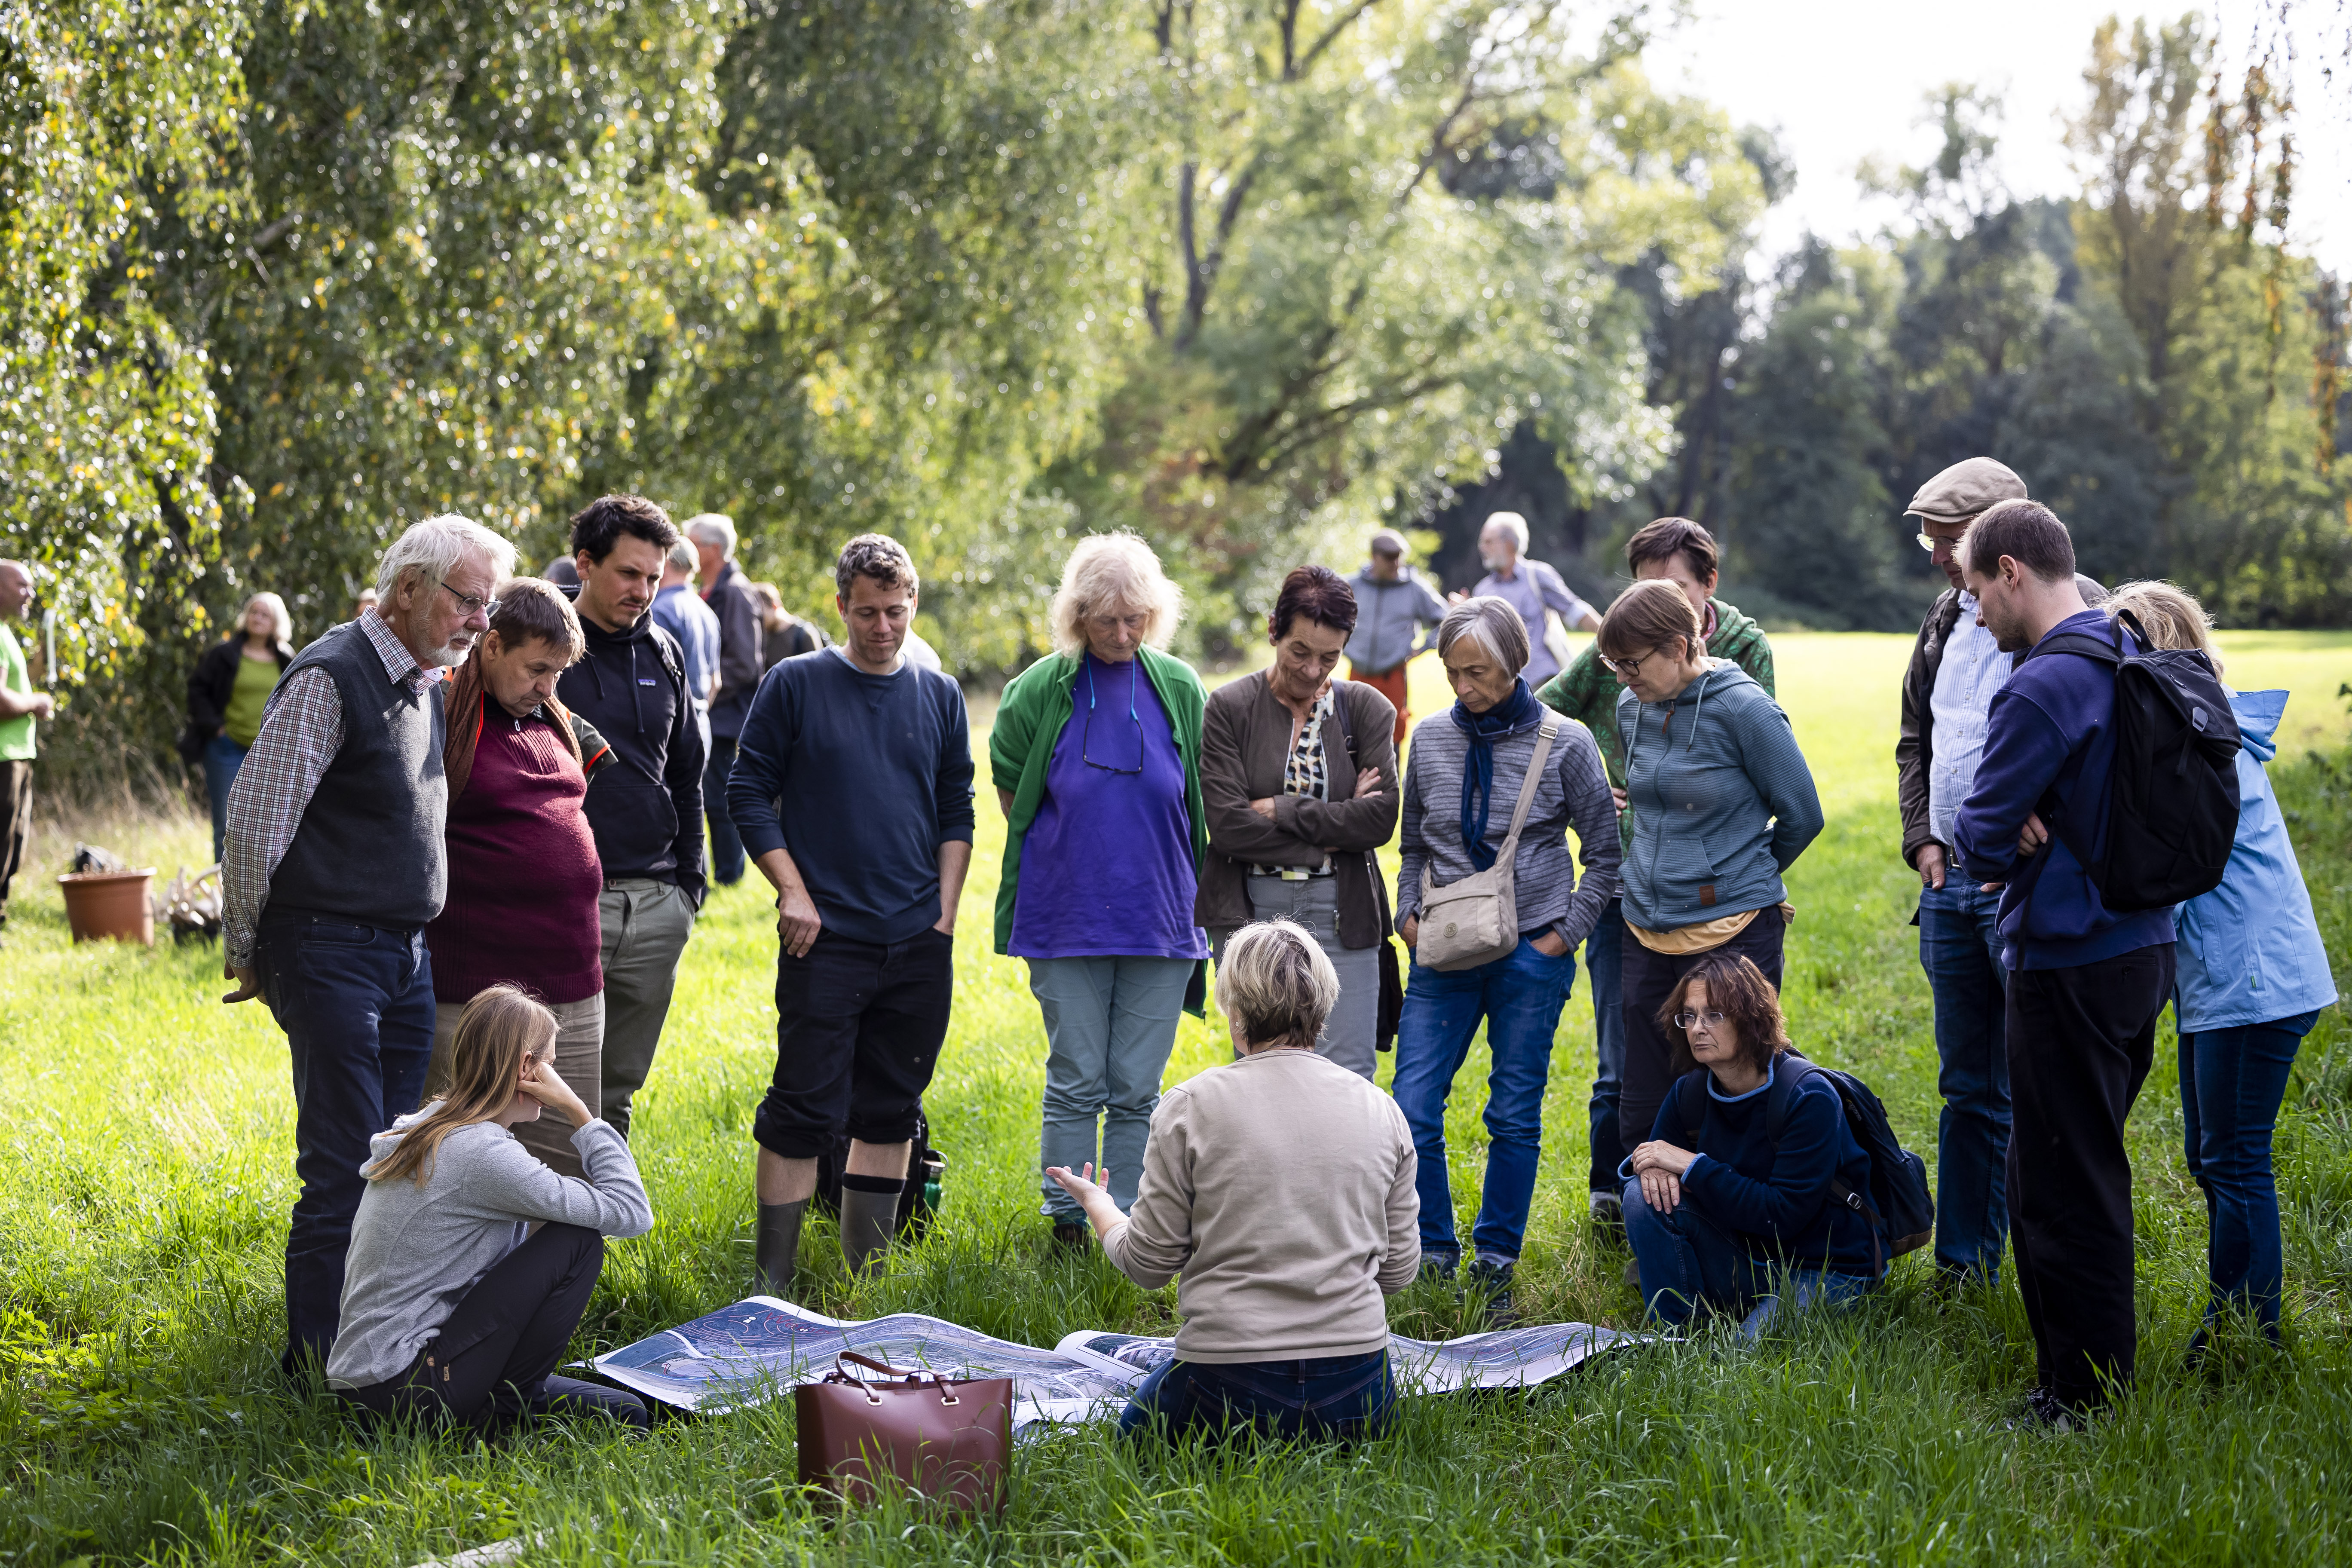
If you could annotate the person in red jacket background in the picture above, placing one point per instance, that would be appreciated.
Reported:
(523, 871)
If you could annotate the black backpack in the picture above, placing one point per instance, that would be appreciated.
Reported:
(2172, 797)
(1898, 1205)
(926, 1169)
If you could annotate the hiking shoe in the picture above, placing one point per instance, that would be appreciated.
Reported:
(2046, 1412)
(1494, 1281)
(1437, 1267)
(1608, 1214)
(1072, 1234)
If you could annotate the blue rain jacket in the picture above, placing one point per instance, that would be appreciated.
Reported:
(2249, 951)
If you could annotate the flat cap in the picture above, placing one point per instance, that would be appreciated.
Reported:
(1965, 488)
(1388, 541)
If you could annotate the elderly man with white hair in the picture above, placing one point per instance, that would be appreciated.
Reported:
(1531, 587)
(742, 640)
(335, 866)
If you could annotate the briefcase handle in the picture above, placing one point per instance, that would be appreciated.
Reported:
(918, 1378)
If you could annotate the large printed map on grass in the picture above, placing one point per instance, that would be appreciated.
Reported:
(758, 1348)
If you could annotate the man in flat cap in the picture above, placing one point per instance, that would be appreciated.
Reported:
(1398, 613)
(1955, 671)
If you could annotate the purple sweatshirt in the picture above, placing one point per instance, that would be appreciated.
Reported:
(2050, 740)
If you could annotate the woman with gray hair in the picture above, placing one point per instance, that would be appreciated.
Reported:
(1492, 786)
(230, 687)
(1285, 1329)
(1097, 756)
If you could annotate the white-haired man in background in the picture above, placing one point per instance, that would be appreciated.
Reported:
(1531, 587)
(741, 639)
(334, 867)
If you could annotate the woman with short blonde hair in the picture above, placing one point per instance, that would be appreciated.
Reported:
(227, 693)
(1285, 1329)
(470, 1261)
(2249, 976)
(1096, 753)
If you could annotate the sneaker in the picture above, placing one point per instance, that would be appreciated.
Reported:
(1608, 1214)
(1072, 1234)
(1494, 1281)
(2046, 1412)
(1438, 1267)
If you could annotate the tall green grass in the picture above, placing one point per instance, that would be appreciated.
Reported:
(145, 1175)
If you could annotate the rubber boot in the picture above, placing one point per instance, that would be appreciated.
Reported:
(777, 1244)
(870, 1217)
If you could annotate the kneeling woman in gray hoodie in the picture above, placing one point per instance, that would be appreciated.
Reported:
(470, 1261)
(1722, 804)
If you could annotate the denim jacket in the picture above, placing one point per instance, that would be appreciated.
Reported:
(2249, 951)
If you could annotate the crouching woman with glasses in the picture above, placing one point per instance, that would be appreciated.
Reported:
(1096, 757)
(1281, 1185)
(1721, 1215)
(470, 1261)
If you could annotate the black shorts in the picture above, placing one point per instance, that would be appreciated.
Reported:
(859, 1031)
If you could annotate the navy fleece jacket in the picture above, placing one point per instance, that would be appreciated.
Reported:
(2050, 742)
(1777, 1201)
(861, 777)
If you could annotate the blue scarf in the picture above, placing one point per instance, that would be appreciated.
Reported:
(1518, 711)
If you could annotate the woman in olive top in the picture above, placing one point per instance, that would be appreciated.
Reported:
(231, 686)
(1097, 758)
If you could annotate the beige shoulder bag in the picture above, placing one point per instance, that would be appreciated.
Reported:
(1477, 920)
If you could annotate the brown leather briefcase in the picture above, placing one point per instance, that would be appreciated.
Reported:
(946, 1441)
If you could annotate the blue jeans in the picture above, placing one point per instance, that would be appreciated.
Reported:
(1109, 1025)
(1605, 960)
(356, 1004)
(1960, 947)
(1688, 1262)
(1519, 998)
(1326, 1396)
(2231, 1081)
(726, 844)
(223, 758)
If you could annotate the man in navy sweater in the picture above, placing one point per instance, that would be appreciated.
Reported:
(2086, 983)
(852, 788)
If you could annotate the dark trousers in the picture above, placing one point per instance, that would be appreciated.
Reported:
(1324, 1397)
(2232, 1084)
(356, 1004)
(16, 824)
(1688, 1262)
(1960, 947)
(491, 1364)
(726, 844)
(858, 1030)
(2080, 1041)
(223, 759)
(1654, 1056)
(1604, 961)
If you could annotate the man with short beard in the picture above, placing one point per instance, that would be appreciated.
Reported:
(334, 866)
(2086, 983)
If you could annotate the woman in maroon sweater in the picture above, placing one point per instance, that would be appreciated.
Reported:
(523, 874)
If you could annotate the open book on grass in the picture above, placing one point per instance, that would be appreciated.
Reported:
(762, 1346)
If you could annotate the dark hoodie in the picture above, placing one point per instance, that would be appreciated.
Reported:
(646, 809)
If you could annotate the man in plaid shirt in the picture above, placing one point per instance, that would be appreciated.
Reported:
(334, 866)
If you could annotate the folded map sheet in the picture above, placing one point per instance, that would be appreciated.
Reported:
(760, 1346)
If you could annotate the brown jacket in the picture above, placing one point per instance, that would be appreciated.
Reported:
(1915, 741)
(1245, 738)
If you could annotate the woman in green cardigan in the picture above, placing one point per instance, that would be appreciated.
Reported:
(1096, 757)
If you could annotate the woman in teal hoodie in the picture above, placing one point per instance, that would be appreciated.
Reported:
(1095, 752)
(1722, 804)
(2250, 977)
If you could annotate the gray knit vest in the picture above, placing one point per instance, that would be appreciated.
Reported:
(369, 847)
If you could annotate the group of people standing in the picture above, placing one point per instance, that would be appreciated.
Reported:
(464, 851)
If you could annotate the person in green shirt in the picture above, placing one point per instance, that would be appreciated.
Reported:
(1680, 552)
(227, 695)
(20, 707)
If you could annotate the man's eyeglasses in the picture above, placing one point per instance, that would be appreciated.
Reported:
(470, 605)
(1930, 543)
(1713, 1018)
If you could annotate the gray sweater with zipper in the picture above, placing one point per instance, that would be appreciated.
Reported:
(1723, 802)
(1572, 793)
(416, 1250)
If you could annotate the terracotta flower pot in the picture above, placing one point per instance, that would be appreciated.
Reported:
(109, 904)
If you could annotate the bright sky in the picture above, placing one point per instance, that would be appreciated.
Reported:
(1843, 80)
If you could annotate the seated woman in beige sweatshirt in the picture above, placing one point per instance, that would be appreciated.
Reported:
(1282, 1185)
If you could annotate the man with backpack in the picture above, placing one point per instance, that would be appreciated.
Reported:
(2088, 973)
(645, 810)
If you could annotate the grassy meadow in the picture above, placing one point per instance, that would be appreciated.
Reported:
(145, 1175)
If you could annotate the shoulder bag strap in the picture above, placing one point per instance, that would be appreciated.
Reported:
(1545, 734)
